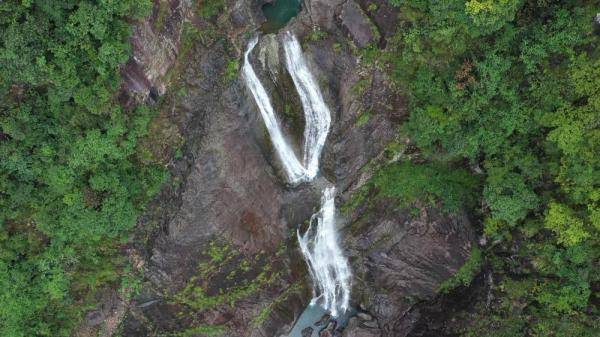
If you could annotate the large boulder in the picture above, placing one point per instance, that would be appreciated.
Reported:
(358, 24)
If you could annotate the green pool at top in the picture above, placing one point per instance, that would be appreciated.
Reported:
(279, 13)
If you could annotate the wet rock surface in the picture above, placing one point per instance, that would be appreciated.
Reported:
(356, 328)
(329, 330)
(218, 247)
(307, 332)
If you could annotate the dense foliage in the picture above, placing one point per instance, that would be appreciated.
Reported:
(71, 185)
(512, 88)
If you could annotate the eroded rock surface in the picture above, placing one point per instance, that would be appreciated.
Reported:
(155, 44)
(218, 247)
(400, 258)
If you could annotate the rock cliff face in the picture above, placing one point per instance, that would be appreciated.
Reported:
(217, 247)
(155, 43)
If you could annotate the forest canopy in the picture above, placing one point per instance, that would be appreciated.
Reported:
(511, 89)
(71, 183)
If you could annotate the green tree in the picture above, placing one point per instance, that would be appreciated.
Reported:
(71, 186)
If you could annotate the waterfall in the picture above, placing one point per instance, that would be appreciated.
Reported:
(292, 166)
(316, 112)
(327, 265)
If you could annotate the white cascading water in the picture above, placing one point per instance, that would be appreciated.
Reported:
(292, 166)
(328, 267)
(316, 112)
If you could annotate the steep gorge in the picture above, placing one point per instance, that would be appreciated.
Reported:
(218, 248)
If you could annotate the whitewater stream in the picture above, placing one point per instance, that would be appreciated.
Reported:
(328, 267)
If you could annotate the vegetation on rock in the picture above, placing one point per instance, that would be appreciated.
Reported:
(225, 277)
(511, 88)
(505, 113)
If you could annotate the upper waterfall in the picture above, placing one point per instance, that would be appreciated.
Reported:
(316, 112)
(292, 166)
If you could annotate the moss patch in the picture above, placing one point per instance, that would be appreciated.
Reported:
(225, 276)
(209, 8)
(203, 330)
(362, 119)
(231, 70)
(431, 182)
(465, 274)
(264, 314)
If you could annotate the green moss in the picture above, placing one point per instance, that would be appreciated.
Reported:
(231, 70)
(337, 47)
(191, 35)
(356, 199)
(178, 153)
(393, 149)
(288, 111)
(362, 119)
(465, 274)
(204, 330)
(370, 55)
(209, 8)
(131, 284)
(161, 15)
(264, 314)
(374, 30)
(316, 35)
(230, 275)
(360, 87)
(217, 252)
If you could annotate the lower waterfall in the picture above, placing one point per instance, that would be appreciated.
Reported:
(328, 267)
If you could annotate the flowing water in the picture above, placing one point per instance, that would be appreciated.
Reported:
(292, 166)
(316, 112)
(327, 265)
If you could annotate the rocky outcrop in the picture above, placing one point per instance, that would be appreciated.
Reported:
(320, 13)
(218, 244)
(358, 24)
(383, 15)
(155, 44)
(400, 259)
(358, 327)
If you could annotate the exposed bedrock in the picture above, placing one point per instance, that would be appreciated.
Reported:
(218, 249)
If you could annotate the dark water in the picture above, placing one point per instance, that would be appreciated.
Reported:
(279, 13)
